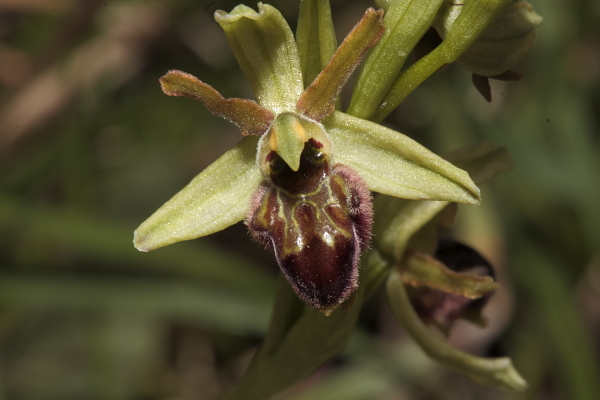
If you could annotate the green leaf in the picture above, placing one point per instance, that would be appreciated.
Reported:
(315, 37)
(265, 48)
(405, 23)
(397, 220)
(296, 348)
(105, 240)
(393, 164)
(251, 118)
(318, 100)
(215, 199)
(498, 372)
(168, 298)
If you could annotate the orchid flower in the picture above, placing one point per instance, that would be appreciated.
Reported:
(301, 176)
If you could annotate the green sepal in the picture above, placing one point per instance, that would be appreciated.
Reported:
(264, 46)
(318, 100)
(405, 23)
(498, 372)
(315, 37)
(398, 220)
(420, 269)
(474, 18)
(392, 163)
(215, 199)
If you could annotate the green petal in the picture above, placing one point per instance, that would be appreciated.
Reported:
(265, 48)
(215, 199)
(397, 220)
(315, 37)
(318, 100)
(405, 23)
(247, 115)
(393, 164)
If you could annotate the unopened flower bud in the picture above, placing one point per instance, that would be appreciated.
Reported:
(472, 284)
(502, 44)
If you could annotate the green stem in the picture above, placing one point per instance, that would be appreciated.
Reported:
(475, 17)
(488, 371)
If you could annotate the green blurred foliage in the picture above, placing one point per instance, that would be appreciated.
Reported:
(89, 147)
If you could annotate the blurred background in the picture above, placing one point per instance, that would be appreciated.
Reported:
(90, 147)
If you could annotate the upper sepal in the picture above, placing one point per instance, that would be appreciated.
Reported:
(215, 199)
(264, 46)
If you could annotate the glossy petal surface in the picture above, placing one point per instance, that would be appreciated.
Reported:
(314, 219)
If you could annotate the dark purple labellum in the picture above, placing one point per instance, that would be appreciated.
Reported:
(317, 219)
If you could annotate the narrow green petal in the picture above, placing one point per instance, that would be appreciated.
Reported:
(315, 37)
(318, 100)
(393, 164)
(265, 48)
(215, 199)
(251, 118)
(405, 23)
